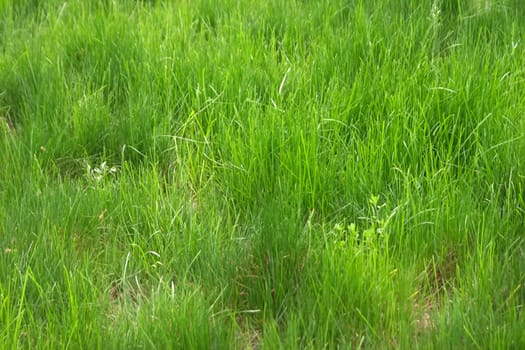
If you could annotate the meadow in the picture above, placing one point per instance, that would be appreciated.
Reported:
(299, 174)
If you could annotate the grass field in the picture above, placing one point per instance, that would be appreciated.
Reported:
(202, 174)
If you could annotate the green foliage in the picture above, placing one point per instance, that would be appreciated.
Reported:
(277, 174)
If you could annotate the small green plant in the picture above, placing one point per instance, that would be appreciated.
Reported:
(100, 172)
(370, 232)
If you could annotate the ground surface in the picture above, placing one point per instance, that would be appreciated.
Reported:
(262, 174)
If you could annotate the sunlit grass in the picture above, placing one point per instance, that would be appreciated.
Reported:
(246, 174)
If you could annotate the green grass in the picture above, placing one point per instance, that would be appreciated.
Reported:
(262, 174)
